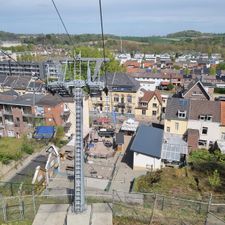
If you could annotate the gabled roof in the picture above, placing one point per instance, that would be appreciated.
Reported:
(201, 107)
(192, 85)
(10, 92)
(148, 141)
(174, 105)
(121, 82)
(49, 100)
(148, 95)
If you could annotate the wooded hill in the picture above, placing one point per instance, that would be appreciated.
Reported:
(184, 41)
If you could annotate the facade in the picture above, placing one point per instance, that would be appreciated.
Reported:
(196, 91)
(176, 116)
(198, 121)
(39, 69)
(20, 114)
(150, 105)
(204, 116)
(146, 148)
(122, 96)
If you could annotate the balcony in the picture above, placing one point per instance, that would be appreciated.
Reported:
(9, 122)
(7, 112)
(120, 105)
(142, 106)
(67, 124)
(65, 113)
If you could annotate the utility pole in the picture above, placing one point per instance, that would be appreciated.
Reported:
(94, 83)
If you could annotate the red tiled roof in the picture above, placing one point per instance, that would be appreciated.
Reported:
(132, 63)
(148, 95)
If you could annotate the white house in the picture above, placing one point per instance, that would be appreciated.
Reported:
(204, 116)
(146, 147)
(152, 148)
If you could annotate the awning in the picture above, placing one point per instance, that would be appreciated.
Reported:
(164, 83)
(103, 120)
(44, 132)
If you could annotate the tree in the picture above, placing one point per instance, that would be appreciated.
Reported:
(59, 135)
(212, 71)
(170, 86)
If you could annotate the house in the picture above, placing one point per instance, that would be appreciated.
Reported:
(21, 84)
(146, 148)
(20, 114)
(196, 91)
(176, 116)
(204, 117)
(150, 105)
(122, 96)
(152, 149)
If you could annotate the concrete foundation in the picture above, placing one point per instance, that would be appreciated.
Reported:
(79, 219)
(101, 214)
(52, 214)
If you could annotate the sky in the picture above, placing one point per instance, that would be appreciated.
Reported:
(121, 17)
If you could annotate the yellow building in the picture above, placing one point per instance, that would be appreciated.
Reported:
(176, 116)
(150, 106)
(122, 97)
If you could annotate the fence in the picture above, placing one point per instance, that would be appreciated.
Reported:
(143, 208)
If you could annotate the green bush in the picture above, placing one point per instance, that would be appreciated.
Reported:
(144, 183)
(214, 180)
(27, 148)
(170, 87)
(58, 136)
(219, 90)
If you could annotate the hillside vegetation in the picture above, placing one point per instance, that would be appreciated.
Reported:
(184, 41)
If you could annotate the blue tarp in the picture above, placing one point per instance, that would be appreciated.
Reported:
(44, 132)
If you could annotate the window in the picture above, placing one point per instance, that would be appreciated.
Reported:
(143, 112)
(168, 129)
(116, 98)
(202, 117)
(204, 130)
(209, 117)
(154, 113)
(128, 110)
(202, 143)
(182, 114)
(129, 98)
(176, 126)
(223, 136)
(144, 104)
(154, 105)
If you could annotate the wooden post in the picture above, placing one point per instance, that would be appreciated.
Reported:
(153, 209)
(208, 209)
(4, 208)
(11, 189)
(163, 201)
(33, 200)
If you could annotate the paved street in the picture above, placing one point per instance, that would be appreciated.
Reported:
(124, 173)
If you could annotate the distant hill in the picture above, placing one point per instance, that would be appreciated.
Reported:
(186, 33)
(192, 34)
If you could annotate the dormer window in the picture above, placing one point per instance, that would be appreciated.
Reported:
(209, 118)
(182, 114)
(202, 117)
(205, 117)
